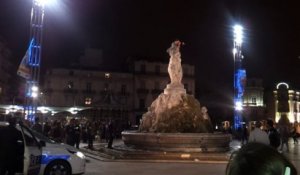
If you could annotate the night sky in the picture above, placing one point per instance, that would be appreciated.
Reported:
(124, 28)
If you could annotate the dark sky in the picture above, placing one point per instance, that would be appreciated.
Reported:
(124, 28)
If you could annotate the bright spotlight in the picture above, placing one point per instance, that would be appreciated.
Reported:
(238, 106)
(34, 88)
(238, 34)
(44, 2)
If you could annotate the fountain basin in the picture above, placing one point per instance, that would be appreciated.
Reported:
(177, 142)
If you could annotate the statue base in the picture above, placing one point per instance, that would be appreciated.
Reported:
(174, 89)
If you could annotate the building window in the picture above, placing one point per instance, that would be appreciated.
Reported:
(156, 85)
(142, 103)
(143, 68)
(88, 101)
(88, 86)
(70, 85)
(123, 88)
(253, 100)
(157, 69)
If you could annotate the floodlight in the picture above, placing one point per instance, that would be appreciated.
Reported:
(43, 2)
(34, 88)
(238, 34)
(238, 106)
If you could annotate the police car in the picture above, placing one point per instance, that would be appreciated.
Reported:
(44, 156)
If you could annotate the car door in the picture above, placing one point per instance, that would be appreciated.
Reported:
(32, 153)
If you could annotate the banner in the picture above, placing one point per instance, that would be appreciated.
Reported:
(24, 70)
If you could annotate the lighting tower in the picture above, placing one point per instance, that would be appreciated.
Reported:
(34, 53)
(239, 76)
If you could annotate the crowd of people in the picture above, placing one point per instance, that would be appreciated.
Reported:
(74, 131)
(269, 135)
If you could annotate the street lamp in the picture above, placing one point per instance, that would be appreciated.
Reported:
(239, 76)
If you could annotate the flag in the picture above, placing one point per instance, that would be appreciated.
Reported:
(24, 69)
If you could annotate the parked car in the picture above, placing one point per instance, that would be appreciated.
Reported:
(44, 156)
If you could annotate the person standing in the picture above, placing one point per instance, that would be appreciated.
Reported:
(70, 132)
(77, 133)
(258, 135)
(284, 136)
(11, 149)
(274, 136)
(37, 126)
(90, 135)
(47, 129)
(111, 134)
(244, 134)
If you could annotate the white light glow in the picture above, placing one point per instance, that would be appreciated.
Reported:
(238, 34)
(238, 106)
(34, 88)
(234, 51)
(282, 83)
(34, 94)
(43, 109)
(44, 2)
(73, 110)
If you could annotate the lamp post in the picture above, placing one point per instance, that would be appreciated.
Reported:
(34, 58)
(239, 76)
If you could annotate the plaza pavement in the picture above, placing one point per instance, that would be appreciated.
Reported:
(293, 154)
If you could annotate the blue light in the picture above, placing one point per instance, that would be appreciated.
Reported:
(48, 158)
(239, 86)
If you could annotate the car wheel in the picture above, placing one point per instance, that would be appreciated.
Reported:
(58, 168)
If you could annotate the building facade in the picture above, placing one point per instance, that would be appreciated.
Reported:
(104, 95)
(287, 102)
(6, 72)
(253, 100)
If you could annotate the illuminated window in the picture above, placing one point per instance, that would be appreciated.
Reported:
(107, 75)
(88, 101)
(0, 90)
(253, 100)
(70, 85)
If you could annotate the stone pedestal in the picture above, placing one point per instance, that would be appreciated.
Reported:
(174, 89)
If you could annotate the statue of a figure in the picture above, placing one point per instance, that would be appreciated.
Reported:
(174, 68)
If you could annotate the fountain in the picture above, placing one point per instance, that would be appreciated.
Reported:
(175, 121)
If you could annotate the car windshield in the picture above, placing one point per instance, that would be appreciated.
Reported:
(40, 136)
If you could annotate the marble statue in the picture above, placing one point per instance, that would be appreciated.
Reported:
(174, 68)
(175, 111)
